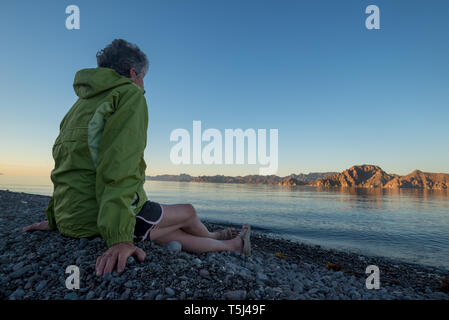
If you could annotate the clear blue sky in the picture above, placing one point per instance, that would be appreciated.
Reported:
(338, 93)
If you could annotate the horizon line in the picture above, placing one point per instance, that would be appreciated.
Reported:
(238, 175)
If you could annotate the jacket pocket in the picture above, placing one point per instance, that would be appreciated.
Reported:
(139, 200)
(136, 200)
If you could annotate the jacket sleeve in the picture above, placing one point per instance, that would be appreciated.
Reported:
(50, 214)
(119, 169)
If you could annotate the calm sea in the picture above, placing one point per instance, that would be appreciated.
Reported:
(410, 225)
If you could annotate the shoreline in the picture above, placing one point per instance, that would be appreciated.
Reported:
(32, 266)
(313, 185)
(358, 252)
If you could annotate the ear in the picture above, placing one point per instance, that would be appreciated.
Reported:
(132, 73)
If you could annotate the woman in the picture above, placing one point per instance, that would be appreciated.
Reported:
(99, 169)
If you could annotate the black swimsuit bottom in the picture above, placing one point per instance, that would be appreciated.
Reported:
(148, 217)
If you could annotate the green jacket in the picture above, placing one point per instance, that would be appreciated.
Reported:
(99, 166)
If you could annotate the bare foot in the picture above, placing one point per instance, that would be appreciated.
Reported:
(224, 234)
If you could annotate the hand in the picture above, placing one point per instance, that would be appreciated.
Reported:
(43, 225)
(118, 252)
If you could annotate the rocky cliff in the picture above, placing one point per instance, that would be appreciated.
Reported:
(371, 176)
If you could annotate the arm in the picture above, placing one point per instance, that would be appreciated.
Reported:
(49, 224)
(119, 171)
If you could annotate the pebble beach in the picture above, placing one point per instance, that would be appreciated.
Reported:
(33, 267)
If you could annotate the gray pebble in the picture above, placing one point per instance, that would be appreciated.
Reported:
(71, 296)
(151, 294)
(21, 272)
(170, 291)
(111, 296)
(19, 293)
(261, 276)
(83, 243)
(28, 285)
(235, 295)
(125, 294)
(174, 246)
(90, 295)
(298, 287)
(4, 259)
(107, 276)
(204, 273)
(18, 266)
(41, 285)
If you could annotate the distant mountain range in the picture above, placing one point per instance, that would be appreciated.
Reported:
(291, 180)
(370, 176)
(171, 177)
(362, 176)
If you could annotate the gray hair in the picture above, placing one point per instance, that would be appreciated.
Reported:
(121, 56)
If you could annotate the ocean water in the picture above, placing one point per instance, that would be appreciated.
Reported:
(409, 225)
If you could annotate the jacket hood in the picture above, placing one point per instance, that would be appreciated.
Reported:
(92, 81)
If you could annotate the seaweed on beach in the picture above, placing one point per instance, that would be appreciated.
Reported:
(280, 255)
(333, 266)
(444, 286)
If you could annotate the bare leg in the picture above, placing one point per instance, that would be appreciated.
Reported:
(195, 227)
(196, 244)
(181, 216)
(176, 214)
(181, 223)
